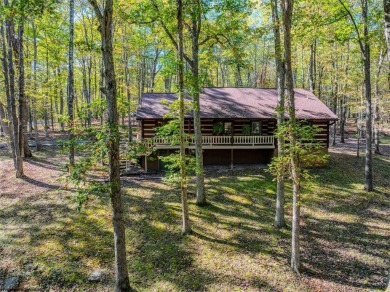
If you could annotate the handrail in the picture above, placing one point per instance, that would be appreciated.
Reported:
(213, 140)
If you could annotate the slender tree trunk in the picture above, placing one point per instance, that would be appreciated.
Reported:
(312, 66)
(287, 8)
(154, 69)
(186, 221)
(343, 117)
(3, 123)
(280, 82)
(335, 92)
(23, 139)
(364, 44)
(343, 107)
(368, 181)
(18, 162)
(34, 99)
(386, 8)
(71, 84)
(62, 125)
(45, 102)
(89, 112)
(196, 25)
(128, 95)
(377, 107)
(105, 17)
(7, 89)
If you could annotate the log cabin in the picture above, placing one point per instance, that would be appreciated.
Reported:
(237, 124)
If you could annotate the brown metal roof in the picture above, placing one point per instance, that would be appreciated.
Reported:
(237, 103)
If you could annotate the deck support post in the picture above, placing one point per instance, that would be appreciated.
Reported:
(146, 163)
(231, 158)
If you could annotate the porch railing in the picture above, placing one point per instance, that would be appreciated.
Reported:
(213, 140)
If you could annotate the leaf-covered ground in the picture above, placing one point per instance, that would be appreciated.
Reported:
(345, 231)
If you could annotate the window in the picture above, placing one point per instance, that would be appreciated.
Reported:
(227, 128)
(222, 128)
(256, 128)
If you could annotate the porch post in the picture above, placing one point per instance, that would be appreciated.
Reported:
(231, 158)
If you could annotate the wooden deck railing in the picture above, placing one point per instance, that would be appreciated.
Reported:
(213, 140)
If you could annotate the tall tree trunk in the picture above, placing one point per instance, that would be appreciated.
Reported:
(343, 118)
(186, 228)
(377, 118)
(368, 180)
(34, 99)
(280, 81)
(45, 102)
(62, 125)
(86, 87)
(386, 8)
(128, 95)
(335, 92)
(3, 123)
(154, 69)
(287, 8)
(18, 162)
(23, 139)
(312, 66)
(9, 124)
(105, 17)
(196, 25)
(343, 107)
(364, 44)
(71, 84)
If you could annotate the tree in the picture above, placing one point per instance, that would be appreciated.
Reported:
(105, 19)
(364, 45)
(280, 82)
(193, 61)
(196, 24)
(70, 90)
(11, 96)
(287, 8)
(186, 228)
(386, 9)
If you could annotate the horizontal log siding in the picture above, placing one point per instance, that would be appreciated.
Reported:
(268, 127)
(207, 127)
(323, 135)
(237, 126)
(148, 128)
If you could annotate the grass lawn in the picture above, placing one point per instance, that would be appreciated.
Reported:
(345, 231)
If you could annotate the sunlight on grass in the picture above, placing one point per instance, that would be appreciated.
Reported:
(234, 246)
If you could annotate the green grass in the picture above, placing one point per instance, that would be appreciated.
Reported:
(233, 247)
(385, 139)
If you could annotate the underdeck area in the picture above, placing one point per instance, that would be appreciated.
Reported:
(213, 157)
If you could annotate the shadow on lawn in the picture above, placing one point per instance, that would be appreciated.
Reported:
(43, 159)
(40, 183)
(53, 244)
(162, 254)
(158, 250)
(344, 251)
(349, 254)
